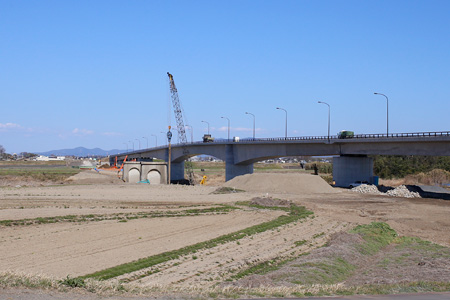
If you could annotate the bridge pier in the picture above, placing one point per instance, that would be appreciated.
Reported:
(348, 169)
(231, 169)
(177, 171)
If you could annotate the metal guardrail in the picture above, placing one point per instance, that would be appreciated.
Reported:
(307, 138)
(335, 137)
(412, 134)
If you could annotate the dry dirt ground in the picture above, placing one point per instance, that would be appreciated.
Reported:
(83, 247)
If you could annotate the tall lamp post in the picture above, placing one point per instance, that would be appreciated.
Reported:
(156, 140)
(139, 141)
(192, 132)
(126, 145)
(254, 118)
(132, 144)
(328, 117)
(178, 134)
(169, 160)
(146, 140)
(228, 127)
(208, 125)
(165, 133)
(387, 112)
(285, 127)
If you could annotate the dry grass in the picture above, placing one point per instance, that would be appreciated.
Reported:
(16, 279)
(434, 177)
(157, 291)
(115, 287)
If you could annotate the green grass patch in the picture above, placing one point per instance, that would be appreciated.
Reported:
(262, 166)
(377, 235)
(227, 190)
(295, 214)
(121, 217)
(300, 243)
(73, 282)
(41, 174)
(329, 268)
(418, 244)
(283, 208)
(329, 271)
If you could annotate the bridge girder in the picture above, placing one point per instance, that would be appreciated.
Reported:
(251, 152)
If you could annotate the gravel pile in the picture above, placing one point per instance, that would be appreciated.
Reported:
(402, 191)
(281, 183)
(366, 189)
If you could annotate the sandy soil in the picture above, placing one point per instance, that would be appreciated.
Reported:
(64, 248)
(68, 249)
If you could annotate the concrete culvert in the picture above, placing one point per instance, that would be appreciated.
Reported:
(154, 177)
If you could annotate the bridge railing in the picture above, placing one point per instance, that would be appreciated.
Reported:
(356, 136)
(403, 135)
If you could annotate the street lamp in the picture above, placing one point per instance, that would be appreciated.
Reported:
(146, 139)
(328, 117)
(127, 146)
(228, 127)
(139, 143)
(164, 133)
(247, 113)
(208, 125)
(178, 133)
(285, 129)
(156, 140)
(387, 112)
(192, 132)
(131, 143)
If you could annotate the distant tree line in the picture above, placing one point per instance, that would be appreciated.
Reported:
(6, 156)
(2, 152)
(391, 166)
(322, 167)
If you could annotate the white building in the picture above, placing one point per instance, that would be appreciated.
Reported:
(50, 158)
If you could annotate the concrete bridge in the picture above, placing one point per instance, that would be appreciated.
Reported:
(351, 164)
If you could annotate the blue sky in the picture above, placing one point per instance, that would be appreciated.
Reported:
(93, 73)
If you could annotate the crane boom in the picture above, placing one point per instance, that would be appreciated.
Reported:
(180, 126)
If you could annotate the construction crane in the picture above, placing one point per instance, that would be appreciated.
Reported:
(181, 129)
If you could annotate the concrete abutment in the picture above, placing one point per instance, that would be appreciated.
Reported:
(349, 169)
(154, 172)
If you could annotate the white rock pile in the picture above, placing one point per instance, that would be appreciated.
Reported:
(400, 191)
(366, 189)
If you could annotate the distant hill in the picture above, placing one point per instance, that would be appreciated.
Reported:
(81, 151)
